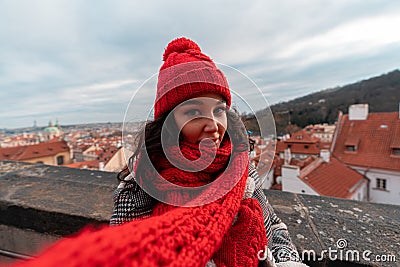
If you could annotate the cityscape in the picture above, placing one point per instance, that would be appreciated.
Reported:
(315, 83)
(356, 158)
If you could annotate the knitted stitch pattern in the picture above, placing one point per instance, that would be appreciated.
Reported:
(187, 73)
(173, 236)
(242, 241)
(176, 180)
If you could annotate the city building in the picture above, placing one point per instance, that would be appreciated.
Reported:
(324, 132)
(300, 145)
(323, 176)
(53, 152)
(262, 157)
(370, 144)
(51, 131)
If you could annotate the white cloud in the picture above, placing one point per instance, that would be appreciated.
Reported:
(355, 37)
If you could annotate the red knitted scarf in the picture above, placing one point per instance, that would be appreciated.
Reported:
(228, 230)
(182, 177)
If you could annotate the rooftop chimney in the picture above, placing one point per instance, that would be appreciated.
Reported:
(358, 112)
(287, 156)
(325, 155)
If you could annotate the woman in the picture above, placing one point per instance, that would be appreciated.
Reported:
(192, 201)
(194, 114)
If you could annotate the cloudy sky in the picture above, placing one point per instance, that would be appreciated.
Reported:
(82, 61)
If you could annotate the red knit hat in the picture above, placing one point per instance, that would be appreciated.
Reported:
(187, 73)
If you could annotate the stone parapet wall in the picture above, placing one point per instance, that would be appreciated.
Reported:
(39, 204)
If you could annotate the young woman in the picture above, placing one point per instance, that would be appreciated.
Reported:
(192, 111)
(189, 196)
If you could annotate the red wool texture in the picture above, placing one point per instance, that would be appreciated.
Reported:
(186, 73)
(229, 230)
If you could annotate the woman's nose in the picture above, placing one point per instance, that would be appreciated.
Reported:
(211, 125)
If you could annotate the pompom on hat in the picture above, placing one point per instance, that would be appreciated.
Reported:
(187, 73)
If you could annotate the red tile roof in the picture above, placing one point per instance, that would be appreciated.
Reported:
(299, 148)
(377, 135)
(352, 141)
(302, 163)
(91, 164)
(396, 140)
(278, 163)
(265, 155)
(325, 145)
(106, 153)
(310, 149)
(300, 143)
(302, 137)
(331, 178)
(280, 146)
(33, 151)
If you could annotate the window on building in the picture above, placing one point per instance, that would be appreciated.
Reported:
(306, 146)
(352, 143)
(60, 160)
(396, 151)
(381, 183)
(289, 146)
(351, 148)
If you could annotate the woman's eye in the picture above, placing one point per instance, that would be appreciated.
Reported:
(192, 112)
(220, 110)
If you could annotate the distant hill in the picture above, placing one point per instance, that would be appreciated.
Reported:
(382, 93)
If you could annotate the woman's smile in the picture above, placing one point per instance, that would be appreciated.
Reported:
(202, 118)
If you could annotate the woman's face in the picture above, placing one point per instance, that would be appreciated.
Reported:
(202, 117)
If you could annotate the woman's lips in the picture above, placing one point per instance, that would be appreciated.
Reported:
(216, 141)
